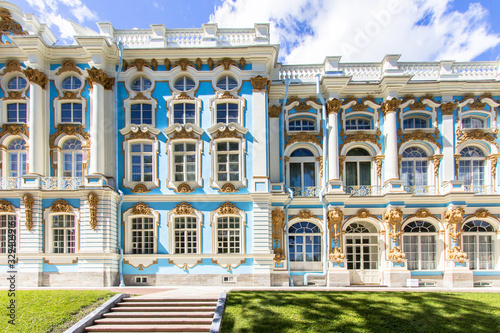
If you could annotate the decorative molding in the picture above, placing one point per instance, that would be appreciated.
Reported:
(11, 65)
(227, 209)
(186, 266)
(476, 104)
(15, 129)
(242, 62)
(336, 255)
(183, 96)
(457, 254)
(333, 106)
(68, 129)
(304, 215)
(210, 63)
(69, 95)
(198, 64)
(393, 218)
(274, 111)
(8, 25)
(363, 214)
(226, 62)
(231, 130)
(422, 214)
(183, 209)
(140, 209)
(227, 95)
(229, 266)
(98, 76)
(141, 266)
(493, 165)
(228, 188)
(360, 137)
(476, 134)
(187, 131)
(259, 83)
(302, 137)
(447, 109)
(139, 64)
(14, 95)
(453, 221)
(335, 219)
(342, 159)
(93, 200)
(481, 213)
(390, 106)
(6, 206)
(36, 77)
(139, 97)
(28, 202)
(167, 63)
(68, 65)
(183, 63)
(457, 163)
(60, 206)
(418, 135)
(184, 188)
(396, 255)
(278, 224)
(378, 161)
(436, 158)
(302, 105)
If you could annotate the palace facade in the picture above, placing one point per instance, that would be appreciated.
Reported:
(191, 156)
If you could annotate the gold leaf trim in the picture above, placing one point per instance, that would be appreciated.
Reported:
(228, 188)
(12, 65)
(93, 200)
(422, 213)
(419, 136)
(60, 206)
(28, 202)
(15, 129)
(36, 77)
(141, 266)
(185, 266)
(391, 106)
(476, 134)
(183, 209)
(100, 77)
(274, 111)
(259, 83)
(8, 25)
(184, 188)
(68, 66)
(6, 206)
(68, 129)
(333, 106)
(229, 267)
(140, 209)
(360, 137)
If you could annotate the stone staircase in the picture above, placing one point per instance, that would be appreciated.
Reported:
(158, 315)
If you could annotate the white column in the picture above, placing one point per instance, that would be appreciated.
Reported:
(259, 104)
(448, 132)
(97, 135)
(274, 143)
(37, 151)
(391, 145)
(333, 108)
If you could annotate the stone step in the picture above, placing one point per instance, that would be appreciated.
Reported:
(148, 328)
(153, 321)
(164, 309)
(166, 304)
(177, 314)
(170, 299)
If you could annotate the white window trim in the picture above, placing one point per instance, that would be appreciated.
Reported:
(487, 162)
(430, 116)
(4, 81)
(485, 114)
(430, 161)
(373, 171)
(17, 214)
(77, 98)
(439, 249)
(373, 115)
(178, 99)
(184, 210)
(234, 73)
(58, 111)
(3, 113)
(133, 75)
(47, 217)
(365, 115)
(57, 153)
(127, 105)
(301, 160)
(227, 98)
(316, 117)
(190, 73)
(4, 153)
(127, 217)
(231, 210)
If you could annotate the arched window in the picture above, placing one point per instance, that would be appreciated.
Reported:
(414, 122)
(301, 125)
(471, 166)
(72, 155)
(472, 122)
(357, 124)
(419, 244)
(302, 176)
(358, 169)
(414, 170)
(17, 83)
(227, 83)
(71, 83)
(304, 242)
(361, 248)
(184, 84)
(478, 242)
(141, 84)
(17, 158)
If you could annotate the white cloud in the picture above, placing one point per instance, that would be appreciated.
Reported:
(49, 12)
(365, 30)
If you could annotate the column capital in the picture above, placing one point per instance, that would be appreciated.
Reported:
(36, 77)
(274, 111)
(448, 108)
(390, 106)
(100, 77)
(259, 83)
(333, 106)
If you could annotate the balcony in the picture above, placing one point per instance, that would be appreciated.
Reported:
(310, 191)
(421, 190)
(363, 190)
(10, 183)
(61, 183)
(480, 189)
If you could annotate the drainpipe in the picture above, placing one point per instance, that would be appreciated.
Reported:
(323, 189)
(120, 47)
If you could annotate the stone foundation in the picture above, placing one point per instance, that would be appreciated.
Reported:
(338, 278)
(280, 279)
(396, 278)
(260, 280)
(458, 279)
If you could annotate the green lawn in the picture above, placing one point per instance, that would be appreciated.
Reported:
(323, 311)
(48, 310)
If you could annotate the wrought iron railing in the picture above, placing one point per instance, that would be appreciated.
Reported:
(10, 183)
(421, 189)
(61, 183)
(363, 190)
(309, 191)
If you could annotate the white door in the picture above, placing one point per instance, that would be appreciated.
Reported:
(362, 258)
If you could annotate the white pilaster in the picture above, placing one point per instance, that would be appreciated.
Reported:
(97, 145)
(274, 143)
(448, 130)
(259, 103)
(38, 144)
(261, 225)
(391, 146)
(333, 144)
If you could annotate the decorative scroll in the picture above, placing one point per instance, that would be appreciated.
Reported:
(229, 266)
(93, 202)
(14, 95)
(227, 209)
(481, 214)
(390, 106)
(303, 137)
(278, 223)
(360, 137)
(28, 202)
(139, 64)
(139, 97)
(186, 266)
(302, 105)
(184, 188)
(228, 188)
(341, 165)
(274, 111)
(476, 104)
(333, 106)
(141, 266)
(69, 95)
(396, 255)
(393, 219)
(457, 254)
(183, 63)
(60, 206)
(68, 66)
(419, 136)
(140, 188)
(210, 63)
(476, 134)
(8, 25)
(227, 95)
(242, 62)
(362, 214)
(259, 83)
(6, 206)
(167, 64)
(493, 165)
(422, 214)
(304, 215)
(68, 129)
(183, 209)
(11, 65)
(98, 76)
(378, 161)
(437, 160)
(140, 209)
(36, 77)
(182, 133)
(453, 222)
(226, 62)
(183, 96)
(15, 129)
(448, 108)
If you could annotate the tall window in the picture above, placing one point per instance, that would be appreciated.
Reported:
(304, 242)
(357, 124)
(7, 221)
(184, 162)
(414, 122)
(361, 241)
(471, 166)
(303, 172)
(301, 125)
(184, 113)
(141, 114)
(228, 234)
(227, 113)
(358, 168)
(72, 158)
(472, 122)
(184, 84)
(141, 84)
(414, 168)
(141, 162)
(142, 235)
(186, 234)
(71, 112)
(227, 83)
(63, 233)
(419, 244)
(16, 113)
(17, 158)
(478, 242)
(228, 161)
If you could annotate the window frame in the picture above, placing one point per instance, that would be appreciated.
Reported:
(48, 215)
(228, 210)
(8, 152)
(141, 78)
(185, 210)
(18, 104)
(184, 77)
(240, 101)
(427, 179)
(302, 160)
(183, 99)
(476, 235)
(140, 210)
(358, 119)
(72, 103)
(16, 214)
(127, 107)
(127, 145)
(197, 182)
(358, 159)
(414, 118)
(483, 159)
(419, 235)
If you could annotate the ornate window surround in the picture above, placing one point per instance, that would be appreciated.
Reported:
(359, 109)
(180, 99)
(182, 210)
(68, 69)
(4, 152)
(56, 144)
(227, 97)
(178, 73)
(233, 71)
(228, 209)
(303, 114)
(7, 208)
(139, 97)
(469, 107)
(139, 210)
(13, 96)
(414, 108)
(60, 207)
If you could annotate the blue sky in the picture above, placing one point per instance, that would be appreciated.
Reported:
(308, 30)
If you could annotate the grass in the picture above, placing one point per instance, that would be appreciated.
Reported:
(40, 311)
(315, 311)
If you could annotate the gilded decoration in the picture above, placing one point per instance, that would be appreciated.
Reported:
(396, 255)
(93, 200)
(378, 160)
(303, 137)
(68, 66)
(210, 63)
(35, 76)
(437, 160)
(229, 266)
(341, 165)
(333, 106)
(167, 64)
(419, 136)
(226, 133)
(140, 188)
(98, 76)
(493, 165)
(457, 162)
(139, 64)
(15, 129)
(390, 106)
(183, 209)
(154, 64)
(481, 214)
(335, 218)
(8, 25)
(140, 209)
(68, 129)
(6, 206)
(453, 222)
(184, 188)
(336, 255)
(304, 215)
(183, 133)
(476, 104)
(185, 266)
(140, 135)
(28, 202)
(14, 95)
(457, 254)
(227, 209)
(140, 97)
(183, 96)
(198, 64)
(259, 83)
(60, 206)
(226, 62)
(242, 62)
(360, 137)
(278, 223)
(448, 108)
(422, 214)
(141, 266)
(12, 65)
(274, 111)
(319, 159)
(183, 63)
(393, 219)
(302, 105)
(228, 188)
(226, 95)
(476, 134)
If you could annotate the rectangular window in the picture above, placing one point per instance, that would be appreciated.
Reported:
(228, 234)
(184, 113)
(227, 113)
(184, 162)
(7, 221)
(63, 233)
(228, 161)
(141, 157)
(16, 113)
(71, 113)
(17, 164)
(73, 164)
(186, 237)
(142, 235)
(141, 114)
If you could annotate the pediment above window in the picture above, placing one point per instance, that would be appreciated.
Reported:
(231, 130)
(187, 131)
(133, 131)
